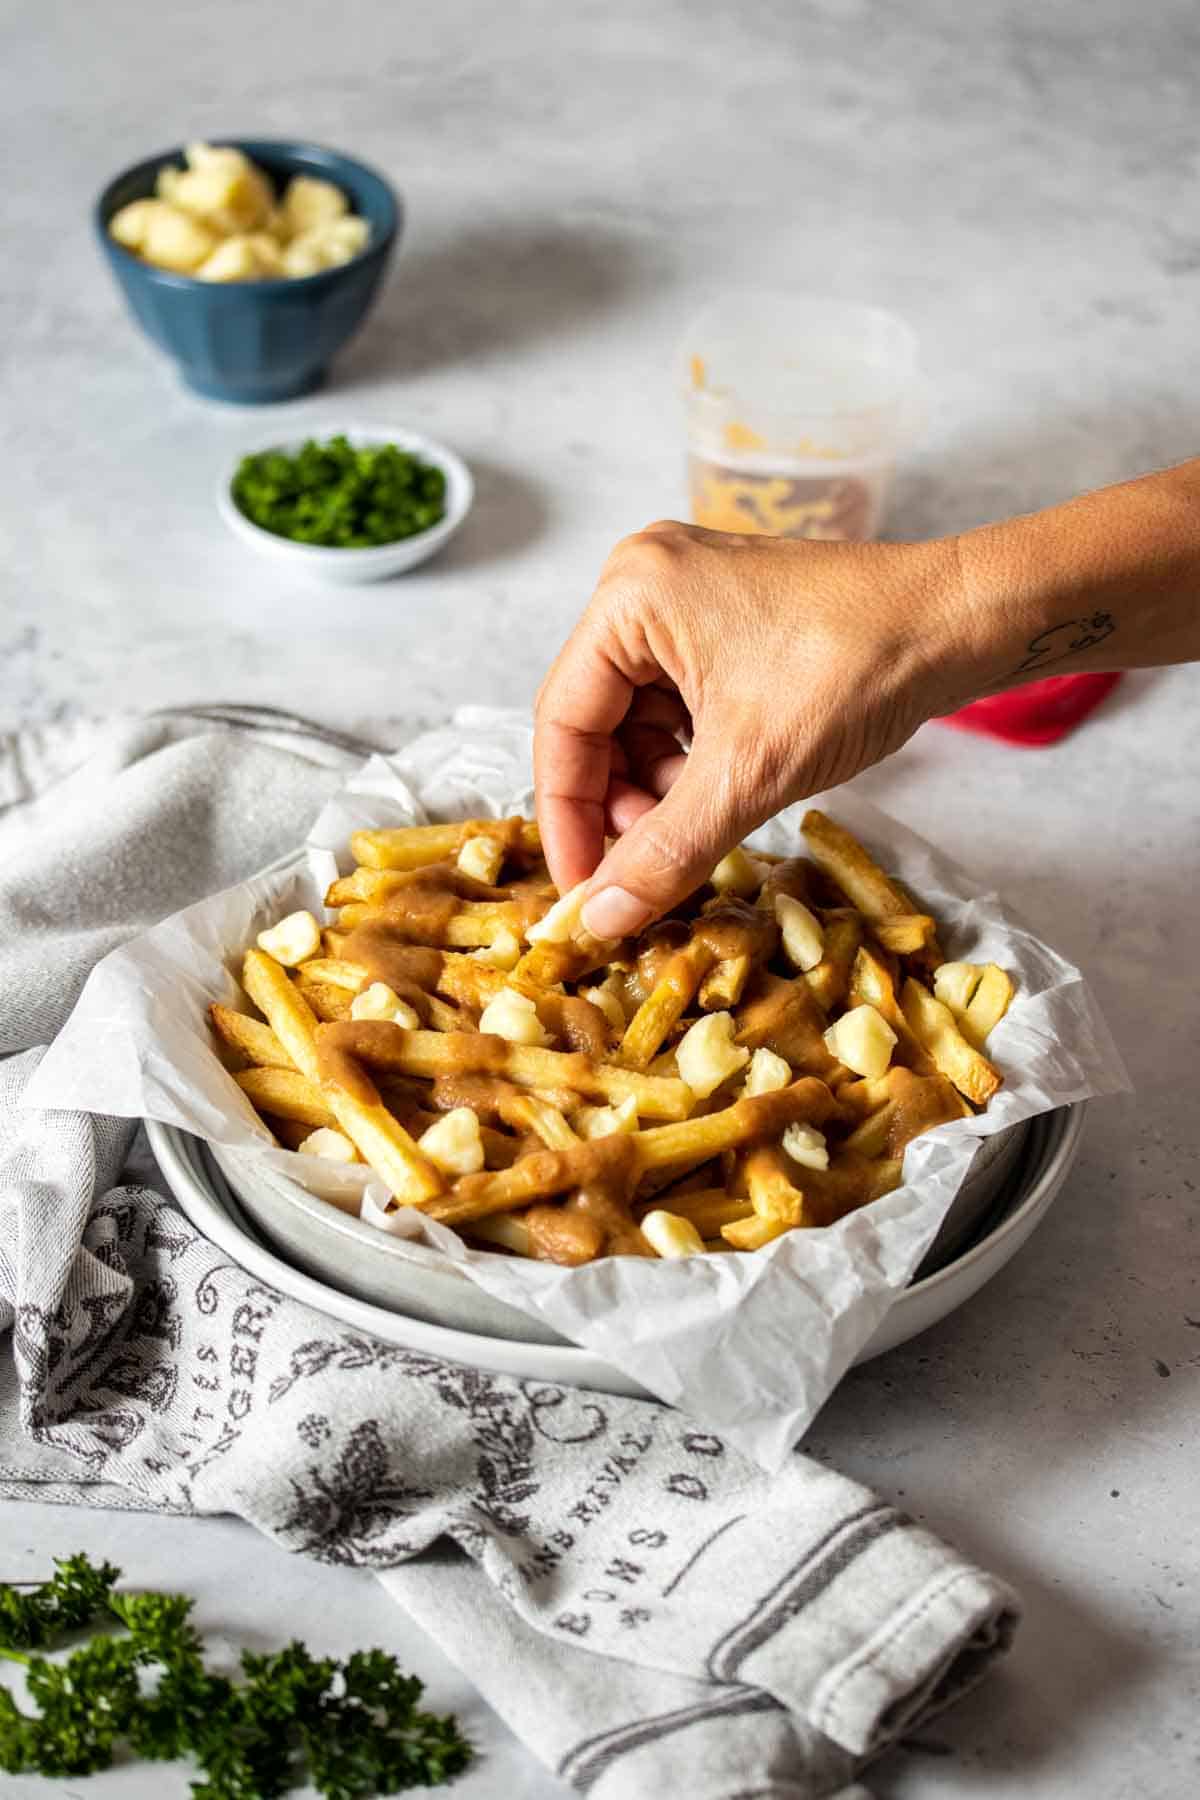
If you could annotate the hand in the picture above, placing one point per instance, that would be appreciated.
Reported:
(786, 666)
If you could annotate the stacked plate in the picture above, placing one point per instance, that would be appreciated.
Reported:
(348, 1270)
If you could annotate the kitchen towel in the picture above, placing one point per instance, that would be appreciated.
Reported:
(647, 1609)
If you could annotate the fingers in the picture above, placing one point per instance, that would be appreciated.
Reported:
(653, 759)
(604, 709)
(582, 702)
(668, 849)
(660, 706)
(625, 806)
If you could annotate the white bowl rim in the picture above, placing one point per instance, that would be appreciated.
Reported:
(1057, 1149)
(460, 491)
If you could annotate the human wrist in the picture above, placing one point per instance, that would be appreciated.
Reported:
(1006, 614)
(951, 634)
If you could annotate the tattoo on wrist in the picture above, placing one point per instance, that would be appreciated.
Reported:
(1064, 640)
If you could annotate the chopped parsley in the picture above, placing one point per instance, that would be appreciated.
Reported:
(335, 495)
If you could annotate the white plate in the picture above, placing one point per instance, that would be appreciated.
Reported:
(197, 1184)
(379, 560)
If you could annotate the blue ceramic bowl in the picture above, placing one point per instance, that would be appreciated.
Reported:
(257, 341)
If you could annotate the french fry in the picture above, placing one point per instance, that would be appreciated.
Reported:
(723, 987)
(708, 1208)
(408, 847)
(897, 1108)
(765, 1115)
(443, 1017)
(773, 1195)
(933, 1025)
(477, 922)
(666, 1003)
(532, 1178)
(906, 934)
(414, 846)
(526, 1112)
(249, 1037)
(285, 1009)
(548, 962)
(508, 1231)
(380, 887)
(432, 1053)
(326, 1000)
(870, 1138)
(470, 983)
(409, 1175)
(850, 1182)
(366, 1122)
(335, 971)
(988, 1004)
(876, 895)
(830, 979)
(871, 985)
(754, 1232)
(839, 854)
(287, 1094)
(372, 887)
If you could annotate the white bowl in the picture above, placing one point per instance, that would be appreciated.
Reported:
(353, 1256)
(327, 563)
(192, 1174)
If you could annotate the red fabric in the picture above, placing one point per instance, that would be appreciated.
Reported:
(1041, 713)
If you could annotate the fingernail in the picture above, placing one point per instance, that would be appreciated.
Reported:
(614, 913)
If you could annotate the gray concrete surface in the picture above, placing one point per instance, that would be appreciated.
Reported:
(1021, 182)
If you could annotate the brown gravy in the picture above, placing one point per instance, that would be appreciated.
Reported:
(411, 971)
(658, 947)
(786, 1017)
(731, 928)
(484, 1094)
(559, 1236)
(580, 1025)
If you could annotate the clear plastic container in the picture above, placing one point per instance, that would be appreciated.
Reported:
(796, 410)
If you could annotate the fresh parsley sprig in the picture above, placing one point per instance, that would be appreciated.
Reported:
(354, 1729)
(76, 1595)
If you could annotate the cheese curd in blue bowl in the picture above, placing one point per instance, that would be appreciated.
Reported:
(251, 262)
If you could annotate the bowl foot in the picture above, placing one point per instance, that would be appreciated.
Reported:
(265, 393)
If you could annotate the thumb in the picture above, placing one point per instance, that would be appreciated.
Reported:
(668, 852)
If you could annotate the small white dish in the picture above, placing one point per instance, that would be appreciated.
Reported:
(378, 561)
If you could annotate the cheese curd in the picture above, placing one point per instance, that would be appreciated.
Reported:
(513, 1016)
(217, 218)
(706, 1055)
(380, 1002)
(454, 1144)
(863, 1040)
(807, 1146)
(329, 1145)
(293, 940)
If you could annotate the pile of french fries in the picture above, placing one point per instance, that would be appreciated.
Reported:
(753, 1065)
